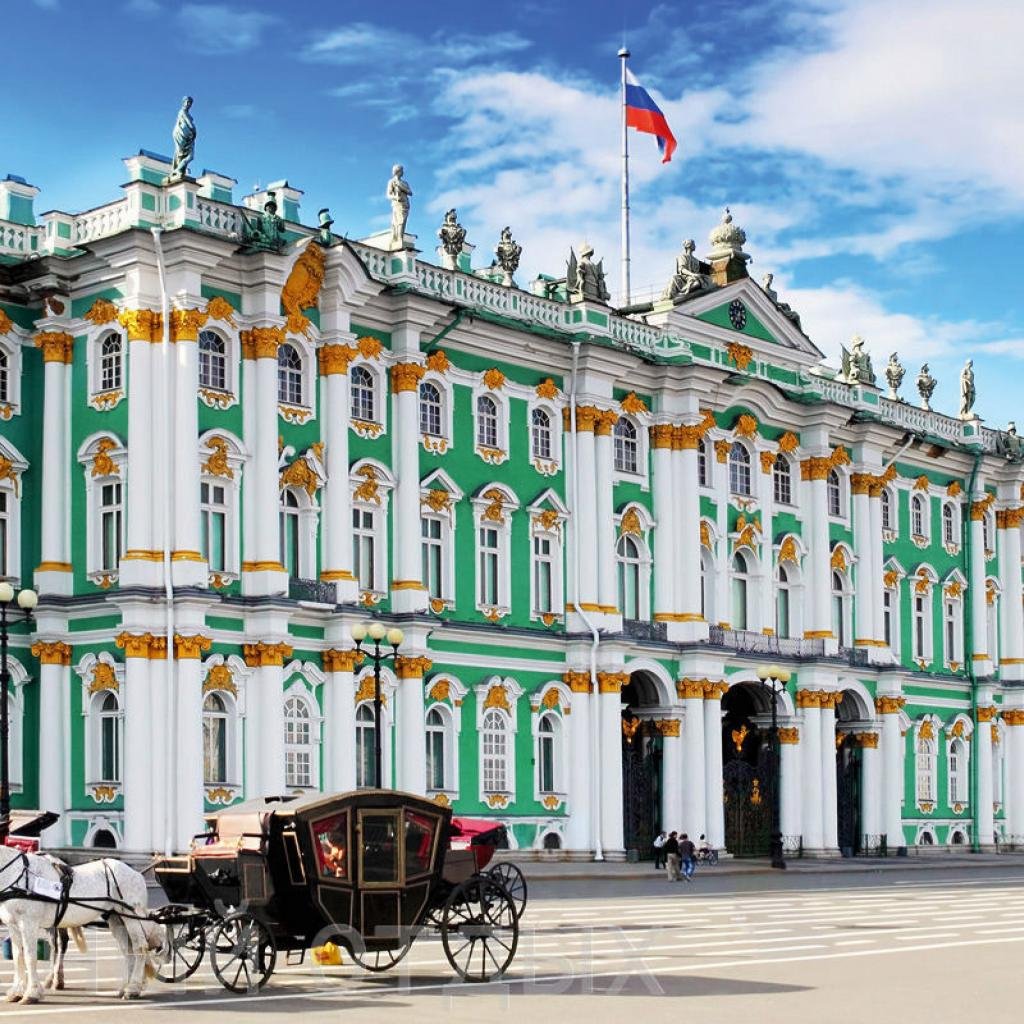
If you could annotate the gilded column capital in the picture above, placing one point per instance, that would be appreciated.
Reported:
(335, 359)
(134, 645)
(980, 508)
(57, 346)
(605, 422)
(157, 647)
(611, 682)
(767, 461)
(722, 449)
(261, 342)
(141, 324)
(191, 647)
(261, 655)
(688, 438)
(987, 713)
(860, 483)
(51, 653)
(690, 689)
(1013, 716)
(867, 740)
(830, 698)
(336, 660)
(715, 691)
(586, 418)
(412, 666)
(668, 726)
(186, 324)
(809, 698)
(661, 435)
(406, 377)
(889, 705)
(578, 682)
(789, 734)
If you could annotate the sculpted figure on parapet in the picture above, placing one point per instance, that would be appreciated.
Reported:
(585, 279)
(399, 193)
(968, 395)
(856, 363)
(689, 277)
(894, 374)
(184, 136)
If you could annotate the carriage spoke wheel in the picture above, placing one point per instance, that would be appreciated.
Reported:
(510, 876)
(480, 929)
(242, 953)
(378, 960)
(187, 942)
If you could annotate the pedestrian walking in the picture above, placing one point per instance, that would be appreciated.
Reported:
(671, 849)
(688, 854)
(659, 850)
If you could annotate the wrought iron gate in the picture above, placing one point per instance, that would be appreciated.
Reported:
(641, 786)
(848, 797)
(747, 794)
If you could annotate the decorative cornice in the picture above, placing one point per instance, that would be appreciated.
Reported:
(690, 689)
(789, 734)
(661, 435)
(134, 645)
(889, 705)
(715, 691)
(818, 468)
(981, 507)
(668, 726)
(605, 422)
(261, 342)
(987, 713)
(1013, 716)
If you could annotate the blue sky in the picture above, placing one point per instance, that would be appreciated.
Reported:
(870, 150)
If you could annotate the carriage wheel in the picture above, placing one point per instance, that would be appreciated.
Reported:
(187, 942)
(510, 876)
(242, 953)
(480, 929)
(378, 960)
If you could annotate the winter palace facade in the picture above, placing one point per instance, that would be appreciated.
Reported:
(225, 442)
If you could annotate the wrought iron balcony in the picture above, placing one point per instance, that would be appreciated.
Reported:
(747, 642)
(640, 629)
(312, 590)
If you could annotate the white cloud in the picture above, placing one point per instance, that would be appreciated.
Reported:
(218, 29)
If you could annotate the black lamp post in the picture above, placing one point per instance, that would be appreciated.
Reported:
(775, 679)
(376, 632)
(27, 600)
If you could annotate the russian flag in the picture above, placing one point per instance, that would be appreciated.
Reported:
(643, 114)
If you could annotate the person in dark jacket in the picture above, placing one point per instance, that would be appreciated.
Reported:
(688, 855)
(671, 851)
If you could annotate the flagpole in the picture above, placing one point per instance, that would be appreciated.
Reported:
(624, 300)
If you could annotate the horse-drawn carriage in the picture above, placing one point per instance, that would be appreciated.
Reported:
(367, 871)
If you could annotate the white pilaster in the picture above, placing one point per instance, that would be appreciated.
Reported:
(983, 657)
(188, 760)
(865, 599)
(339, 721)
(693, 783)
(877, 565)
(140, 562)
(138, 761)
(981, 748)
(159, 741)
(766, 494)
(607, 580)
(673, 777)
(829, 796)
(871, 783)
(892, 771)
(1011, 659)
(586, 509)
(713, 794)
(610, 726)
(811, 790)
(54, 681)
(410, 729)
(818, 616)
(269, 680)
(1014, 722)
(691, 624)
(54, 573)
(580, 833)
(666, 532)
(790, 768)
(188, 567)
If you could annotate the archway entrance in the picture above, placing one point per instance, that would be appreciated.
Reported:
(849, 777)
(746, 772)
(641, 766)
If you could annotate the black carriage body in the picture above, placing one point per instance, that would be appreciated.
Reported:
(366, 864)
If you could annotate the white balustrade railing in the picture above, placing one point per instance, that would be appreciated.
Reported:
(633, 334)
(834, 391)
(16, 239)
(376, 261)
(219, 218)
(98, 223)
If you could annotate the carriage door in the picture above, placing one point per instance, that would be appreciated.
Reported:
(641, 785)
(380, 873)
(848, 794)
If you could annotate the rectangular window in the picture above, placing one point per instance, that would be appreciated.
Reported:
(213, 525)
(298, 770)
(542, 575)
(782, 614)
(887, 616)
(488, 579)
(435, 759)
(110, 526)
(919, 627)
(364, 549)
(494, 761)
(4, 542)
(110, 769)
(290, 543)
(547, 763)
(433, 577)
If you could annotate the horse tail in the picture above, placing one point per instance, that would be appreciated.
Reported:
(79, 936)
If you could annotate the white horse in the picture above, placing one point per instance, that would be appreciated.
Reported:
(103, 888)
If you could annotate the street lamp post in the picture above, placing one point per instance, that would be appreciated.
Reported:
(27, 600)
(775, 679)
(376, 632)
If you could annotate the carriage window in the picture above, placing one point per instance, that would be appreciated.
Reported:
(330, 837)
(379, 848)
(419, 842)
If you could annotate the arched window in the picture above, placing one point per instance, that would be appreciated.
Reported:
(437, 741)
(290, 532)
(958, 771)
(626, 446)
(5, 380)
(839, 609)
(299, 748)
(630, 559)
(215, 739)
(431, 410)
(213, 363)
(887, 517)
(487, 422)
(740, 587)
(494, 752)
(782, 604)
(109, 714)
(917, 517)
(111, 350)
(365, 765)
(739, 469)
(289, 375)
(835, 493)
(213, 517)
(948, 525)
(362, 394)
(925, 770)
(548, 734)
(104, 839)
(111, 525)
(540, 434)
(702, 462)
(782, 481)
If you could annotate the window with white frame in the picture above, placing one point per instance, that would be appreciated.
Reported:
(702, 463)
(739, 469)
(544, 553)
(290, 532)
(108, 737)
(432, 549)
(213, 361)
(488, 565)
(362, 395)
(431, 410)
(887, 509)
(921, 626)
(782, 481)
(299, 744)
(5, 377)
(289, 375)
(626, 446)
(834, 492)
(957, 771)
(365, 763)
(707, 584)
(7, 549)
(438, 776)
(102, 459)
(783, 625)
(213, 521)
(918, 516)
(364, 548)
(216, 722)
(987, 523)
(949, 531)
(890, 619)
(840, 609)
(549, 736)
(997, 769)
(924, 759)
(110, 514)
(487, 429)
(629, 555)
(494, 752)
(952, 629)
(110, 374)
(740, 591)
(541, 435)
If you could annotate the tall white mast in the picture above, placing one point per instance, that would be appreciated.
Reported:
(624, 300)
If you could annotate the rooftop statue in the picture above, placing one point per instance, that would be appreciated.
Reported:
(184, 136)
(856, 365)
(453, 237)
(894, 374)
(325, 236)
(689, 278)
(783, 307)
(399, 193)
(585, 279)
(926, 385)
(267, 231)
(967, 393)
(1009, 442)
(508, 252)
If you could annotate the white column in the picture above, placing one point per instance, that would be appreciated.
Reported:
(673, 777)
(249, 436)
(159, 741)
(339, 721)
(188, 758)
(336, 517)
(586, 508)
(189, 567)
(687, 492)
(983, 657)
(136, 770)
(410, 727)
(580, 829)
(809, 702)
(607, 581)
(1011, 659)
(693, 781)
(818, 617)
(139, 557)
(610, 725)
(54, 659)
(790, 768)
(871, 783)
(878, 563)
(892, 770)
(408, 592)
(865, 599)
(666, 531)
(981, 748)
(829, 796)
(1013, 719)
(766, 597)
(270, 687)
(713, 795)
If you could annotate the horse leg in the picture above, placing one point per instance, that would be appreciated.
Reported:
(29, 934)
(138, 954)
(50, 981)
(14, 993)
(60, 948)
(117, 929)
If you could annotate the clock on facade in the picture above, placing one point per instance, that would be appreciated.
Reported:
(737, 314)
